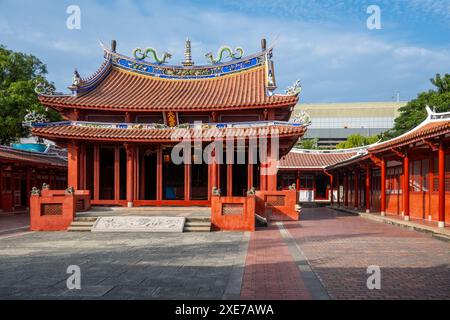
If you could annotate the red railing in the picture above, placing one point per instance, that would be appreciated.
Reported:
(233, 213)
(278, 205)
(54, 210)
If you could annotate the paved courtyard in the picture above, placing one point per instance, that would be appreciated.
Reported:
(325, 255)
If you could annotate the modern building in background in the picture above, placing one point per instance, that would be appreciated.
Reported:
(332, 123)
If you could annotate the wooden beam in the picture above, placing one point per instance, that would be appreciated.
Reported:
(130, 173)
(406, 187)
(159, 173)
(398, 153)
(229, 180)
(116, 173)
(96, 195)
(368, 188)
(72, 164)
(430, 144)
(383, 187)
(441, 202)
(187, 181)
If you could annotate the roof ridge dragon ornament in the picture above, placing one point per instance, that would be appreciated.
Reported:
(237, 54)
(151, 52)
(295, 89)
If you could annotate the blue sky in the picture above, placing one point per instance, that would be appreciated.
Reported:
(325, 44)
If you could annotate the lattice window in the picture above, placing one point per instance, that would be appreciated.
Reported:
(51, 209)
(232, 209)
(275, 201)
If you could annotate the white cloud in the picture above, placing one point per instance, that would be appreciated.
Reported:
(335, 62)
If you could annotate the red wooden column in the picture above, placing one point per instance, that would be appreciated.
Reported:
(250, 169)
(346, 189)
(229, 180)
(187, 181)
(356, 187)
(441, 203)
(297, 182)
(338, 186)
(430, 181)
(116, 173)
(80, 168)
(406, 187)
(142, 175)
(130, 173)
(263, 176)
(72, 164)
(214, 171)
(96, 172)
(331, 188)
(383, 187)
(368, 188)
(159, 173)
(272, 170)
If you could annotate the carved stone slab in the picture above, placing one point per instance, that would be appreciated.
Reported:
(139, 224)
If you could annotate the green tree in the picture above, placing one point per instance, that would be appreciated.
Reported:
(414, 112)
(19, 75)
(356, 140)
(308, 144)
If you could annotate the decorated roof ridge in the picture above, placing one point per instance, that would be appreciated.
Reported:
(332, 151)
(300, 158)
(218, 125)
(432, 117)
(356, 157)
(233, 61)
(30, 152)
(116, 61)
(138, 134)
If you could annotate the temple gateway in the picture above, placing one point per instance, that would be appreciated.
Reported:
(122, 123)
(142, 133)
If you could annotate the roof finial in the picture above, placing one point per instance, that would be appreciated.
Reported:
(187, 54)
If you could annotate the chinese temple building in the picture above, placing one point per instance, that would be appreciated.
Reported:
(408, 176)
(308, 170)
(123, 122)
(20, 170)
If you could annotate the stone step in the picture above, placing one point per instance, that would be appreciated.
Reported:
(79, 228)
(83, 223)
(197, 229)
(90, 219)
(198, 219)
(198, 224)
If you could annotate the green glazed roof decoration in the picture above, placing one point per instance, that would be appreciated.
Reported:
(225, 52)
(139, 54)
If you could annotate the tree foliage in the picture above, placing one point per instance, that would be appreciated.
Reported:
(356, 140)
(19, 75)
(308, 144)
(413, 113)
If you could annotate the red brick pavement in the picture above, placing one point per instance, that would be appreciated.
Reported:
(340, 247)
(270, 271)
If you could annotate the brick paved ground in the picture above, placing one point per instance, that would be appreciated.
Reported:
(119, 265)
(340, 247)
(215, 265)
(10, 223)
(270, 271)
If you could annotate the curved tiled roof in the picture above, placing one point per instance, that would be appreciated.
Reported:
(8, 154)
(429, 128)
(315, 159)
(125, 90)
(133, 133)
